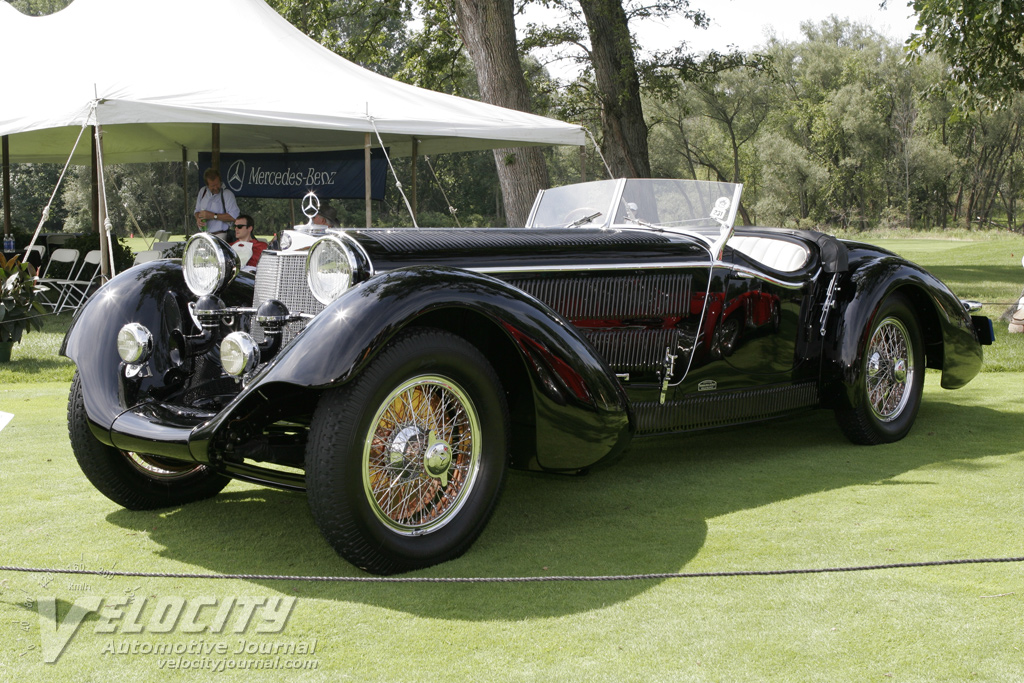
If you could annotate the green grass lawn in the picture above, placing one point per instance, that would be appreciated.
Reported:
(781, 495)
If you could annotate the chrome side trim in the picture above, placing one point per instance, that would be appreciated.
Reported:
(487, 270)
(743, 271)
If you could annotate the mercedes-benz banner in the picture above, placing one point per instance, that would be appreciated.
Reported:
(332, 175)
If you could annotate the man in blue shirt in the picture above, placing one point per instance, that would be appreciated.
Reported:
(216, 207)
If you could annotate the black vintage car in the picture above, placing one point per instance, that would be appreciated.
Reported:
(395, 374)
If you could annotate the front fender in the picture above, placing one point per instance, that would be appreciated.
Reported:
(581, 410)
(951, 344)
(153, 294)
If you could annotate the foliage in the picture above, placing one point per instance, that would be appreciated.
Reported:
(31, 188)
(142, 198)
(19, 309)
(38, 8)
(840, 133)
(980, 39)
(312, 17)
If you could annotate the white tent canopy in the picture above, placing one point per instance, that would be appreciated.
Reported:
(156, 73)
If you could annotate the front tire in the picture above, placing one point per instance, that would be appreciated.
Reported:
(890, 378)
(136, 481)
(406, 462)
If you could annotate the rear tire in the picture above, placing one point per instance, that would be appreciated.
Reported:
(406, 462)
(136, 481)
(890, 379)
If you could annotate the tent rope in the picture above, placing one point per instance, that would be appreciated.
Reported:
(46, 209)
(451, 209)
(398, 183)
(101, 176)
(598, 148)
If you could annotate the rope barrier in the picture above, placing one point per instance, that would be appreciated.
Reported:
(513, 579)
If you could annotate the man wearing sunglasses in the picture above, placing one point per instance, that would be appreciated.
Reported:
(244, 228)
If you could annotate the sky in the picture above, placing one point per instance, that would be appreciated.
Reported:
(746, 23)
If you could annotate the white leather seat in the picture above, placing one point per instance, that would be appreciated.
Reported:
(777, 254)
(244, 251)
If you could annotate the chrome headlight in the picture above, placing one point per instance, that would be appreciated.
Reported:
(331, 268)
(134, 343)
(239, 353)
(209, 263)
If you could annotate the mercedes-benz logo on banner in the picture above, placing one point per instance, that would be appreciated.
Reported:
(236, 175)
(310, 205)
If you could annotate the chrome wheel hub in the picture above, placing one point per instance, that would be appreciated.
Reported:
(438, 459)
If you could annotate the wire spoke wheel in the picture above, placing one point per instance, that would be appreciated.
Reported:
(137, 481)
(160, 468)
(405, 462)
(883, 399)
(421, 459)
(889, 370)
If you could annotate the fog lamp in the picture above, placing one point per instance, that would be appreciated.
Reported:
(239, 353)
(134, 343)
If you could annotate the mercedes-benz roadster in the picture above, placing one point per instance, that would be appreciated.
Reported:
(395, 374)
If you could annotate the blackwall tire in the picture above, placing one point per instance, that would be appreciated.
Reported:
(890, 378)
(136, 481)
(405, 463)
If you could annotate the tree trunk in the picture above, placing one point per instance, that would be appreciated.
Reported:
(618, 85)
(487, 28)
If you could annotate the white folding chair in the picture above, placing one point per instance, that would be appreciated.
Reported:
(77, 290)
(56, 279)
(146, 256)
(37, 248)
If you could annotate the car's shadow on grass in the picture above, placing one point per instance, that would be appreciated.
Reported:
(646, 514)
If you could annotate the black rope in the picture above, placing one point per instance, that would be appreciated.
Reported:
(513, 579)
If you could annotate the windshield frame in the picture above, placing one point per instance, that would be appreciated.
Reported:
(617, 213)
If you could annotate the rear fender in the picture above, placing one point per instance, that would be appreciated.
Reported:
(951, 343)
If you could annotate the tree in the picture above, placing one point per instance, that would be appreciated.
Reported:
(618, 88)
(487, 28)
(598, 31)
(981, 40)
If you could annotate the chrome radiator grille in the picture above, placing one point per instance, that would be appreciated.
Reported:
(282, 276)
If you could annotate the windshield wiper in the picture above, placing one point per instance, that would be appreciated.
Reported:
(584, 220)
(637, 221)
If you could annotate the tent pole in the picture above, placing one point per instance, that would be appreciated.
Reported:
(101, 198)
(7, 185)
(94, 200)
(583, 163)
(186, 214)
(412, 173)
(366, 157)
(215, 153)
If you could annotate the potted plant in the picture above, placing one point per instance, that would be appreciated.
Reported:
(18, 306)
